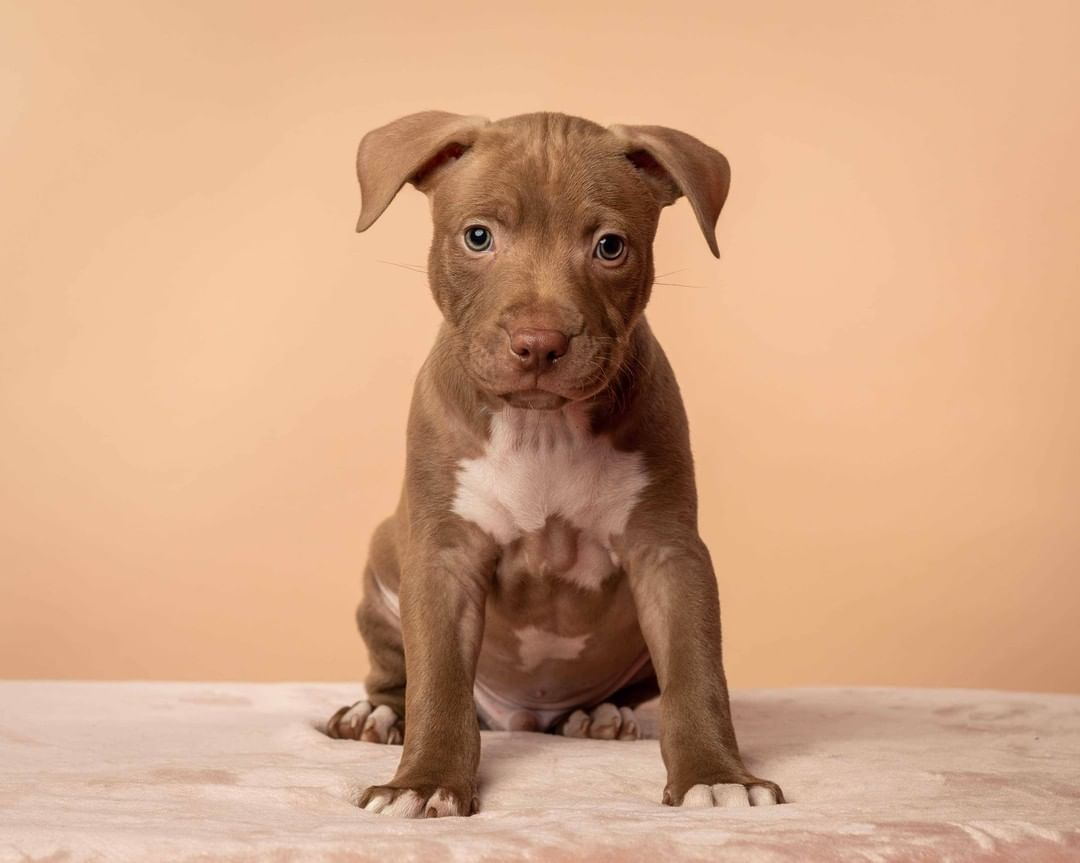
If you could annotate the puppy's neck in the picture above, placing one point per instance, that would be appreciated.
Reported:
(514, 428)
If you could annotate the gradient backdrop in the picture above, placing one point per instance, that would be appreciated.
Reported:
(204, 371)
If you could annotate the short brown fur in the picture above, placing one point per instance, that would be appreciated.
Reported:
(546, 184)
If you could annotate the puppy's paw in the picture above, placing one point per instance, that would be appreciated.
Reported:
(364, 721)
(421, 801)
(603, 722)
(753, 792)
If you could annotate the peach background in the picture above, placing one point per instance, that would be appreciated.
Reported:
(204, 372)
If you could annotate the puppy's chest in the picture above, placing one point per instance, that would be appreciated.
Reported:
(551, 493)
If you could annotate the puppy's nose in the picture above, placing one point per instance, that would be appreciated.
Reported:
(538, 349)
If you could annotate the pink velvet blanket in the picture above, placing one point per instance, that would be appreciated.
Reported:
(241, 772)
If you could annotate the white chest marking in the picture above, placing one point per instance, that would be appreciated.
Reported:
(538, 464)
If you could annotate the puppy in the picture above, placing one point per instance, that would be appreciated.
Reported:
(543, 570)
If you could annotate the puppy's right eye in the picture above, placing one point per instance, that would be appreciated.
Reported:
(478, 238)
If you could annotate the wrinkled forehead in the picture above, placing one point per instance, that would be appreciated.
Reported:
(521, 175)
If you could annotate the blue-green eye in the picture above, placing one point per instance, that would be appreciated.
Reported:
(610, 247)
(478, 238)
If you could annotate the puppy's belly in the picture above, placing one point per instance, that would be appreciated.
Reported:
(560, 630)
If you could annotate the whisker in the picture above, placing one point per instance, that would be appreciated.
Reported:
(670, 273)
(680, 285)
(416, 268)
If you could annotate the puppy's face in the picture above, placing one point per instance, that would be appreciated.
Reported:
(541, 259)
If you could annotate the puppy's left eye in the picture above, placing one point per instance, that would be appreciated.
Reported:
(478, 238)
(610, 248)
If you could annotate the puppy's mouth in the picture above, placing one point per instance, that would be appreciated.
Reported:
(541, 392)
(535, 399)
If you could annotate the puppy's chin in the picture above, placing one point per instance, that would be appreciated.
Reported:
(539, 400)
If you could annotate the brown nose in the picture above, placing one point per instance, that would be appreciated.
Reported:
(538, 349)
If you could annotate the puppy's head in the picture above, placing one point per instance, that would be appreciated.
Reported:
(541, 260)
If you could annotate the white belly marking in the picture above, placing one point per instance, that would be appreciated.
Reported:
(535, 645)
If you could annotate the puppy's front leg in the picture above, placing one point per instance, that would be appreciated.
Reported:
(444, 584)
(679, 610)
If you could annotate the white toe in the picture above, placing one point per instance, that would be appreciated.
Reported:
(729, 795)
(379, 723)
(629, 729)
(355, 717)
(761, 796)
(376, 804)
(406, 805)
(606, 721)
(698, 797)
(576, 725)
(440, 803)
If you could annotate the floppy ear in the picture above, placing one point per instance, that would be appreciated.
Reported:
(409, 150)
(673, 164)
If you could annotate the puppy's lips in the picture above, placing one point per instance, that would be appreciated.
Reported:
(535, 399)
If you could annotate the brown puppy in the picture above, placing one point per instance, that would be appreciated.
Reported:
(543, 568)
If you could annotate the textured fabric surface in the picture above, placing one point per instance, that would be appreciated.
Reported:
(240, 772)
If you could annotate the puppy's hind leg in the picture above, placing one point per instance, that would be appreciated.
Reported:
(378, 718)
